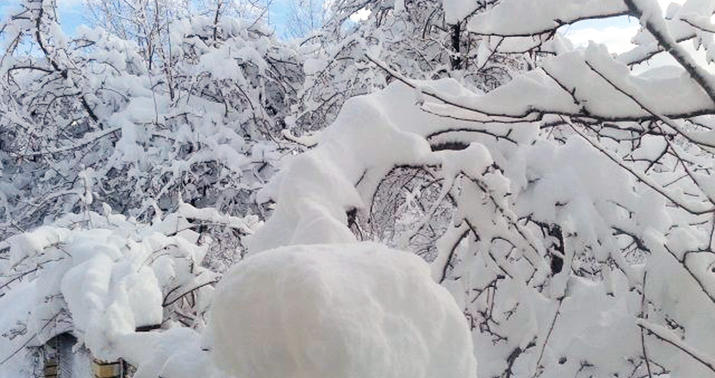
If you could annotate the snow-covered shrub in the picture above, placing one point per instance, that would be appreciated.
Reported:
(339, 311)
(107, 279)
(199, 117)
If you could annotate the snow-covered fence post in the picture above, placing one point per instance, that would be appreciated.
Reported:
(51, 368)
(108, 369)
(58, 358)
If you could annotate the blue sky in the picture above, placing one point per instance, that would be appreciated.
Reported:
(71, 13)
(615, 33)
(610, 31)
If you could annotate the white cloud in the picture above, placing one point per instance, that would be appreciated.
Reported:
(614, 34)
(617, 35)
(616, 38)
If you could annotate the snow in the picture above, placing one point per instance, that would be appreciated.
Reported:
(650, 149)
(317, 188)
(673, 339)
(14, 306)
(361, 15)
(339, 311)
(539, 16)
(456, 10)
(537, 92)
(103, 283)
(175, 353)
(562, 196)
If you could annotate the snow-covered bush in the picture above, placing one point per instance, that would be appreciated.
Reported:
(199, 117)
(340, 311)
(107, 279)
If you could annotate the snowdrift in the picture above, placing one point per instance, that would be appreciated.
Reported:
(340, 311)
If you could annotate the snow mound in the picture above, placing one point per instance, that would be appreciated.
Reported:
(104, 278)
(347, 310)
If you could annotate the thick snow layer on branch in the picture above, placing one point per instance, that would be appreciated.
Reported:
(456, 10)
(371, 136)
(528, 17)
(583, 83)
(647, 46)
(339, 311)
(317, 188)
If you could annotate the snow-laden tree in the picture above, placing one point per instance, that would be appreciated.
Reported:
(414, 36)
(570, 211)
(304, 17)
(148, 23)
(194, 111)
(149, 125)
